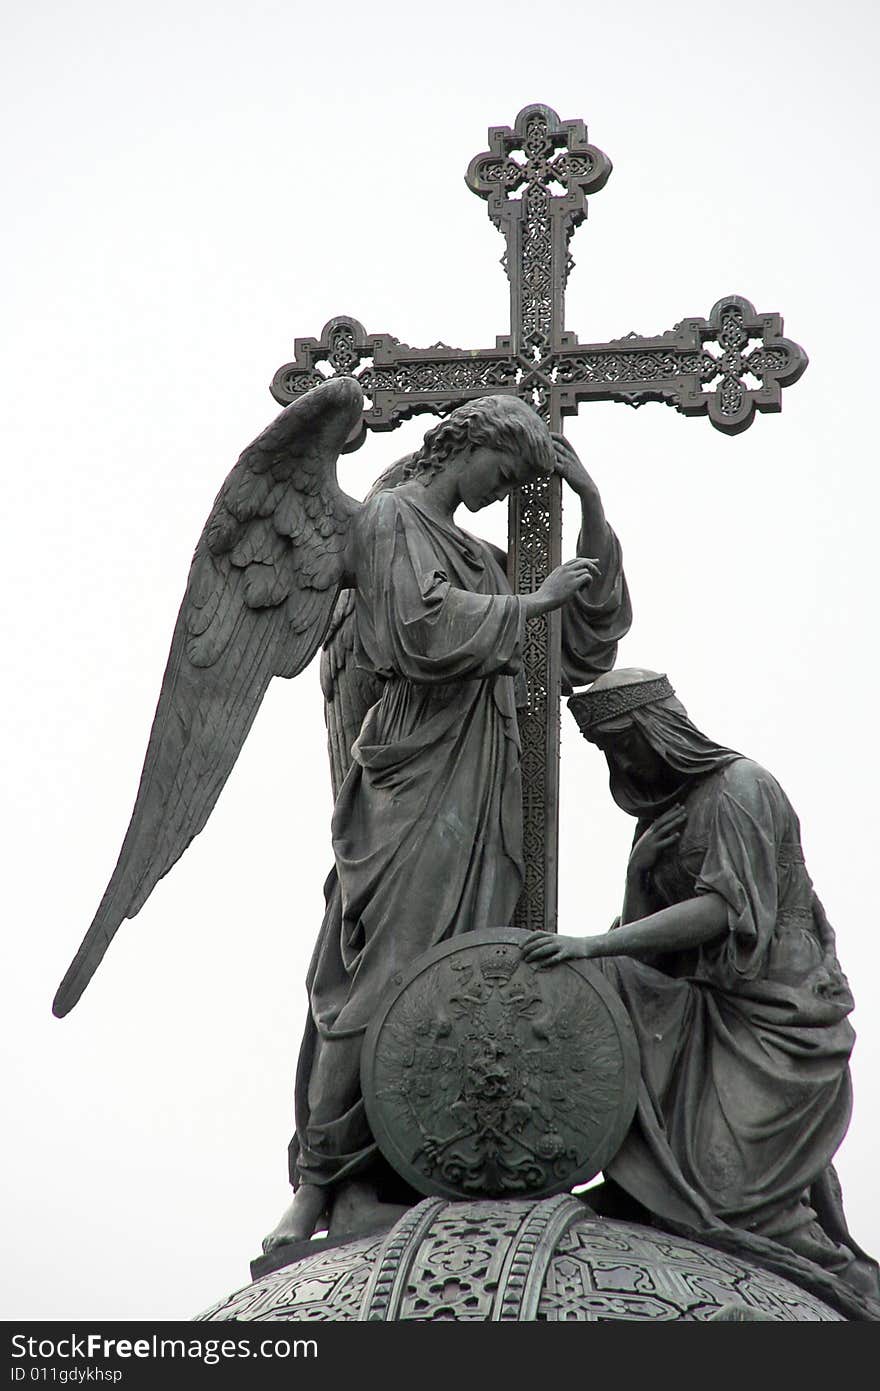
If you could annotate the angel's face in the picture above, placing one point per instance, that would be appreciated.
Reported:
(487, 475)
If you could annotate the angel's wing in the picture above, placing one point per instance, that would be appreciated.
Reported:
(349, 688)
(261, 590)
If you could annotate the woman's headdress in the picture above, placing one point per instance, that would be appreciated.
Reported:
(647, 700)
(610, 701)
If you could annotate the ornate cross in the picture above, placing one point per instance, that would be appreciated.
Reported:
(554, 166)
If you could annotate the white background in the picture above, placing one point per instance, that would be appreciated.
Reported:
(191, 185)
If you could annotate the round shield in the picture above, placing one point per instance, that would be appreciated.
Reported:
(486, 1076)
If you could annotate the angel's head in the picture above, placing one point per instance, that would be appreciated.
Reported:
(494, 444)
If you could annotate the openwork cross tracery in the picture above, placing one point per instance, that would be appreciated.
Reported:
(727, 366)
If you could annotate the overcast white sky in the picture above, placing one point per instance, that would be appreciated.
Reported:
(190, 186)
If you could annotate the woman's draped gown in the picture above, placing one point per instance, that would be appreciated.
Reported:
(745, 1093)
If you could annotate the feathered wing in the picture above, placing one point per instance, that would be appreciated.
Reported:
(349, 689)
(263, 582)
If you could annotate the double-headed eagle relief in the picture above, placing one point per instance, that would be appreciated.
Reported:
(696, 1054)
(485, 1075)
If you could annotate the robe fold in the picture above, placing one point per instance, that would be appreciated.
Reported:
(427, 826)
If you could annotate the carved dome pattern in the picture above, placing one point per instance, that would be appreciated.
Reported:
(511, 1260)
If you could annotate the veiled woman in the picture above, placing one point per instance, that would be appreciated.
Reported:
(427, 826)
(727, 965)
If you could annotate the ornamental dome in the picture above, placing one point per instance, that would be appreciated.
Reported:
(503, 1260)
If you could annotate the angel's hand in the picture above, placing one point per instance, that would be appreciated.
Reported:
(561, 585)
(569, 467)
(549, 948)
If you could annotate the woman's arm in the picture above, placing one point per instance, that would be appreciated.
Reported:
(636, 898)
(688, 924)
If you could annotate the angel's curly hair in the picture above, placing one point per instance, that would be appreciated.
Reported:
(495, 422)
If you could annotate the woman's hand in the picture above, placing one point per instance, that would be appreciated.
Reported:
(569, 467)
(561, 585)
(548, 948)
(662, 833)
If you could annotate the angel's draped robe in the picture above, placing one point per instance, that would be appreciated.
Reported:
(427, 826)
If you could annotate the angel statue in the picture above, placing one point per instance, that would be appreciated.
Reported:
(421, 675)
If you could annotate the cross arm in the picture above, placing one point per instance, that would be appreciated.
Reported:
(751, 364)
(398, 381)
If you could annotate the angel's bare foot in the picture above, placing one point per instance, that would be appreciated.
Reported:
(300, 1219)
(356, 1208)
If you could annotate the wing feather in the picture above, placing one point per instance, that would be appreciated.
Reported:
(263, 582)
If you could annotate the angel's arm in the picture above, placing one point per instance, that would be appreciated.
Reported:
(426, 628)
(599, 614)
(594, 623)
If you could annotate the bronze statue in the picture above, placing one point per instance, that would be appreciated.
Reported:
(443, 661)
(726, 963)
(421, 672)
(425, 649)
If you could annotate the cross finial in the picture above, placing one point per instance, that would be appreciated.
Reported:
(538, 133)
